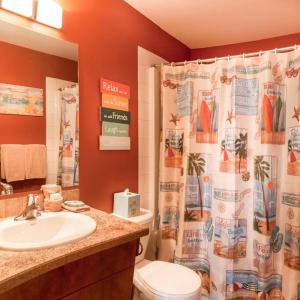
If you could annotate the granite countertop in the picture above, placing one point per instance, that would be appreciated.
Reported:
(17, 267)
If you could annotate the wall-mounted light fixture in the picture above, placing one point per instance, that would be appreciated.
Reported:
(47, 12)
(21, 7)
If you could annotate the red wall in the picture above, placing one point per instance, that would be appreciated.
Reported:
(254, 46)
(108, 33)
(26, 67)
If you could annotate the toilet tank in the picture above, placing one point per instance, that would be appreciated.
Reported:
(144, 218)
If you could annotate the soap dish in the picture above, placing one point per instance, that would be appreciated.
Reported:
(74, 203)
(75, 206)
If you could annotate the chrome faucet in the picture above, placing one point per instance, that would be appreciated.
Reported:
(31, 210)
(7, 189)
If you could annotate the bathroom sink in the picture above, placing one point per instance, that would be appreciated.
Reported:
(48, 230)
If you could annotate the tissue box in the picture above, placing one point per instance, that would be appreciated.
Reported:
(126, 204)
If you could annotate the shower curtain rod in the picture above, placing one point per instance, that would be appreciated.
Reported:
(212, 60)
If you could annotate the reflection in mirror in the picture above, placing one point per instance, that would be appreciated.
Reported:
(39, 110)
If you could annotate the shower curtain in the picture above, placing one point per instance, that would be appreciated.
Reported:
(68, 162)
(229, 199)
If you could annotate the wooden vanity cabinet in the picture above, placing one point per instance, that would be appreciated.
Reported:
(106, 275)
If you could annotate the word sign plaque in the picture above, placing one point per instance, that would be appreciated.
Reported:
(114, 115)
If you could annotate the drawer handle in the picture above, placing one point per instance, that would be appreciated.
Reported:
(141, 249)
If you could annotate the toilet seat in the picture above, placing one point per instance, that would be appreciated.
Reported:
(163, 280)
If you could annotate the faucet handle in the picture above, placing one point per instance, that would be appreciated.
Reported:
(36, 201)
(36, 198)
(37, 205)
(30, 199)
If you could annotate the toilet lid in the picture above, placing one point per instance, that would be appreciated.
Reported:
(168, 279)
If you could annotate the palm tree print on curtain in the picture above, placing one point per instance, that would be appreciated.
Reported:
(234, 151)
(236, 134)
(198, 188)
(264, 194)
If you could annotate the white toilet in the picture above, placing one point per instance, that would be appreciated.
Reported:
(159, 280)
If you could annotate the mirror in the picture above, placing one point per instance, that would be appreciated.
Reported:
(39, 110)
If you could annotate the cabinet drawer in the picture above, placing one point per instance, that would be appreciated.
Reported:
(119, 286)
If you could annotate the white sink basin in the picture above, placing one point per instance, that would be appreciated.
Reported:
(48, 230)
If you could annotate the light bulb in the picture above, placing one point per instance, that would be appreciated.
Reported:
(50, 13)
(21, 7)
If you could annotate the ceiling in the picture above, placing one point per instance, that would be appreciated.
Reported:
(207, 23)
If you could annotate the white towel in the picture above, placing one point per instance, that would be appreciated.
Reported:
(12, 162)
(36, 161)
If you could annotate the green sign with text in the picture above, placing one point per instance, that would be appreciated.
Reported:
(114, 129)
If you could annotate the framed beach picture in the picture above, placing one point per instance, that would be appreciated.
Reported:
(21, 100)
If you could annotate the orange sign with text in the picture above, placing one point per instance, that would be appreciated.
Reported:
(114, 102)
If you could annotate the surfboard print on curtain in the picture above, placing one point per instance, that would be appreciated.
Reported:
(273, 114)
(207, 117)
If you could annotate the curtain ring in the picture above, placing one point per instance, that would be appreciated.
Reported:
(260, 53)
(295, 47)
(215, 59)
(275, 51)
(228, 57)
(243, 56)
